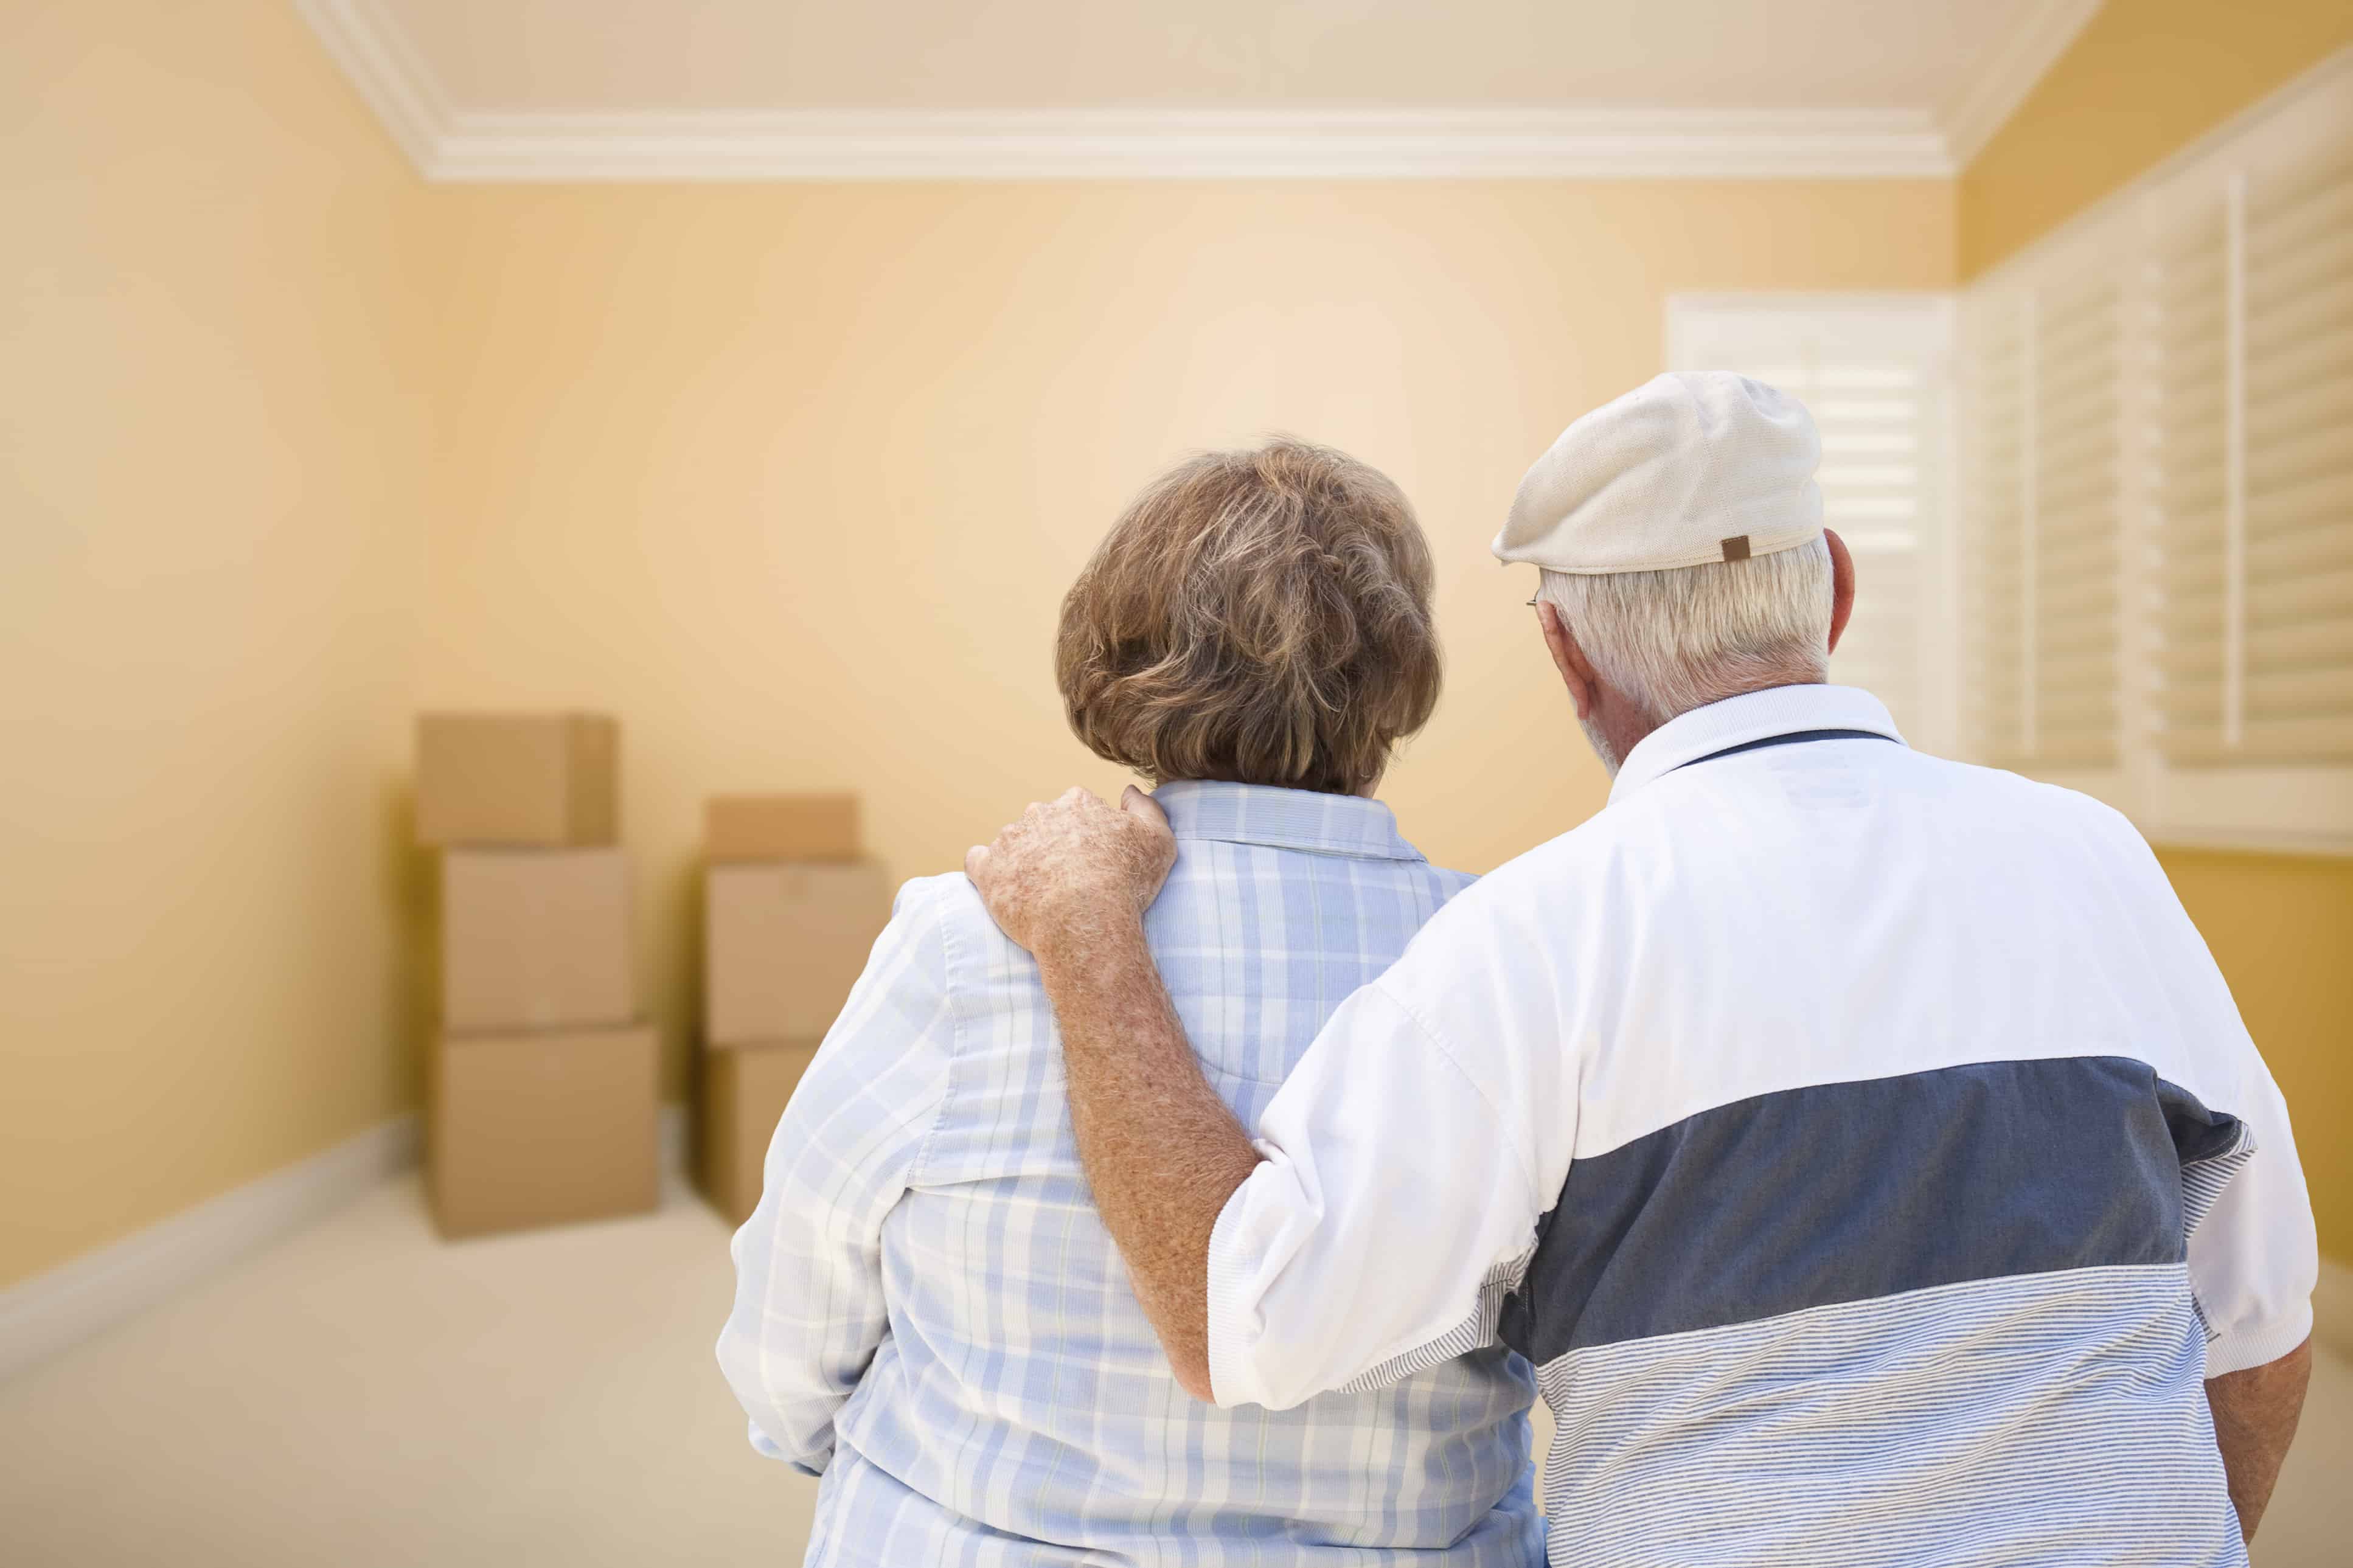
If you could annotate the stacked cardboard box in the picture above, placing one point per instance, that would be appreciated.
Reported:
(791, 911)
(542, 1080)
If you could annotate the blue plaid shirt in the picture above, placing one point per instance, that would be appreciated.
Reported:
(929, 1313)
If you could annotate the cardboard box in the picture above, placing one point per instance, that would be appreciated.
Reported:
(518, 778)
(535, 939)
(780, 827)
(542, 1129)
(784, 943)
(745, 1093)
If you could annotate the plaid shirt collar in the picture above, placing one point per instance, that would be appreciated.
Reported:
(1283, 819)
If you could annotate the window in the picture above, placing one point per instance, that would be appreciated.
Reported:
(2157, 527)
(1875, 371)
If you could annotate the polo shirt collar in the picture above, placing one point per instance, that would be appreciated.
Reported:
(1283, 819)
(1751, 716)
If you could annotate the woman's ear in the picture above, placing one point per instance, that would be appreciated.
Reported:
(1566, 657)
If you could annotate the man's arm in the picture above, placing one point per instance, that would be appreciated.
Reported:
(1371, 1228)
(2255, 1413)
(1162, 1153)
(809, 1308)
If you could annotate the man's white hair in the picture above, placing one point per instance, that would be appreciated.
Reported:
(1675, 640)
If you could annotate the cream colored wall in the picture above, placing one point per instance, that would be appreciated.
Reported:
(216, 376)
(2146, 79)
(2143, 78)
(789, 478)
(792, 478)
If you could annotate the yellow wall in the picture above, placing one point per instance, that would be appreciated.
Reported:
(794, 478)
(2144, 79)
(2282, 928)
(789, 478)
(215, 383)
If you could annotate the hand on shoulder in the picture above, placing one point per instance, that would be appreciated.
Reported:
(1074, 869)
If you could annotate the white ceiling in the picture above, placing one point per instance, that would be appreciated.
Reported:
(1897, 82)
(1256, 54)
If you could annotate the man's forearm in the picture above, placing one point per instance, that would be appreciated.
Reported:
(1161, 1151)
(2255, 1413)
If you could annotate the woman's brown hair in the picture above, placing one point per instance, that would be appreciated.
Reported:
(1259, 616)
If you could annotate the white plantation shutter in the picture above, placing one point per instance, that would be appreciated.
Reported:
(1874, 372)
(1996, 602)
(2297, 664)
(2158, 435)
(2044, 649)
(2189, 454)
(2075, 550)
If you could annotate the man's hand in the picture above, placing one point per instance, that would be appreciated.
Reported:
(1074, 869)
(1071, 881)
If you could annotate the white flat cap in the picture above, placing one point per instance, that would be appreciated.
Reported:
(1687, 469)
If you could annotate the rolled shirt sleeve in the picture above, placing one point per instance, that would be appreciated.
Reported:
(2253, 1254)
(810, 1310)
(2254, 1258)
(1403, 1174)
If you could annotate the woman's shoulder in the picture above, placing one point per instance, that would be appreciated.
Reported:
(947, 909)
(1450, 883)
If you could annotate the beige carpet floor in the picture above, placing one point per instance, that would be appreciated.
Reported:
(364, 1394)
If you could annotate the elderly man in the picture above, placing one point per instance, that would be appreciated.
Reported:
(1862, 1146)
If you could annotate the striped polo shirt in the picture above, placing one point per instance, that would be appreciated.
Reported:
(1862, 1146)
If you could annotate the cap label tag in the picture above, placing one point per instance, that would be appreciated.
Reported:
(1736, 548)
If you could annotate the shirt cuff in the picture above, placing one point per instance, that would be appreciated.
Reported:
(1233, 1318)
(2242, 1348)
(767, 1447)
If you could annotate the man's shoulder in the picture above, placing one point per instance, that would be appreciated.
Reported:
(1579, 850)
(1472, 906)
(2053, 812)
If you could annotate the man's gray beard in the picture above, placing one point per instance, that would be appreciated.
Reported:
(1602, 747)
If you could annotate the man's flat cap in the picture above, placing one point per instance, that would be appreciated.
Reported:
(1689, 468)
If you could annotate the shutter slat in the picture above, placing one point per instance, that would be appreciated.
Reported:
(2288, 207)
(2269, 650)
(2323, 546)
(2307, 373)
(2324, 738)
(2300, 693)
(2290, 456)
(2299, 316)
(2088, 702)
(2075, 643)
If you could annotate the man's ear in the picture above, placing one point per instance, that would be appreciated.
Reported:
(1841, 585)
(1566, 657)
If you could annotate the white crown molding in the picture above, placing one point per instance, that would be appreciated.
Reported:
(1193, 144)
(476, 145)
(2027, 53)
(60, 1308)
(463, 145)
(391, 76)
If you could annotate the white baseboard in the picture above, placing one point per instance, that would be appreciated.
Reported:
(674, 1139)
(52, 1310)
(2332, 1308)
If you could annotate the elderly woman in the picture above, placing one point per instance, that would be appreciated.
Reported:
(928, 1311)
